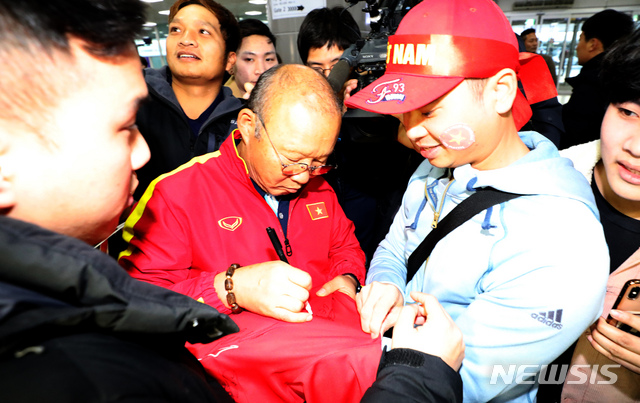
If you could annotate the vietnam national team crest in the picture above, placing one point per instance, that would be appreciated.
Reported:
(230, 223)
(318, 211)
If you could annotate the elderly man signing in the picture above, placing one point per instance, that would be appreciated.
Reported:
(201, 230)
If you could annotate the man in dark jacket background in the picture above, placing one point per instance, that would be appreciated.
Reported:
(582, 115)
(74, 327)
(189, 112)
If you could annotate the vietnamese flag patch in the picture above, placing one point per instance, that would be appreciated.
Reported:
(318, 211)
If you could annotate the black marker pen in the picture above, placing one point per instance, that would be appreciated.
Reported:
(276, 244)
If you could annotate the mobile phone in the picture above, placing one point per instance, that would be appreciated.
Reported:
(628, 300)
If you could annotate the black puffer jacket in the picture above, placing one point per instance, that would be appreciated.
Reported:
(74, 327)
(164, 126)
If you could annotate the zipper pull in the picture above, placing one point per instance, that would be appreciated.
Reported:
(434, 223)
(287, 247)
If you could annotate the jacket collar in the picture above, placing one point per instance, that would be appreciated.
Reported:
(159, 84)
(588, 72)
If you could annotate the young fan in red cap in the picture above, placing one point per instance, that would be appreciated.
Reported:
(508, 276)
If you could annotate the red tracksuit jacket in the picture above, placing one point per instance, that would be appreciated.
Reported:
(192, 223)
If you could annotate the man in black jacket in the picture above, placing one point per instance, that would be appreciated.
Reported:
(189, 112)
(74, 327)
(582, 115)
(374, 168)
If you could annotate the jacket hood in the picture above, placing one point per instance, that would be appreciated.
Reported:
(51, 281)
(584, 157)
(542, 171)
(158, 82)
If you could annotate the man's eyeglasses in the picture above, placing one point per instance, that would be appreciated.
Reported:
(320, 70)
(297, 167)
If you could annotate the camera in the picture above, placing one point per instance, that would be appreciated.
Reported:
(369, 55)
(368, 59)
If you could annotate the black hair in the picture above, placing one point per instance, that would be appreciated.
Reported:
(521, 47)
(251, 26)
(324, 26)
(620, 71)
(107, 25)
(34, 47)
(607, 26)
(527, 32)
(228, 22)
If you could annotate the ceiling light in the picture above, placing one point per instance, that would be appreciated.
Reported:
(149, 24)
(152, 1)
(258, 2)
(164, 12)
(253, 12)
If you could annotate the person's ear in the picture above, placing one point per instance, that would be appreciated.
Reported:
(247, 121)
(503, 87)
(231, 62)
(594, 45)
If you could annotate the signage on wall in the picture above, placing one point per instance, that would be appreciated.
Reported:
(294, 8)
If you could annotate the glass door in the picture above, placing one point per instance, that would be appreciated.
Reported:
(558, 33)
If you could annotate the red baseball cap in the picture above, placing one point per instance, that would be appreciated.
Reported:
(437, 45)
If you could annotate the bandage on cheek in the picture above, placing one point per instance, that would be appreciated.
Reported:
(458, 137)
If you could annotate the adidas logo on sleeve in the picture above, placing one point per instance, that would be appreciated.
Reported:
(551, 318)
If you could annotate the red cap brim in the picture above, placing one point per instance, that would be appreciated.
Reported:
(400, 93)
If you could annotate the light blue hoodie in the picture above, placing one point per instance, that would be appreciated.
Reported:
(522, 280)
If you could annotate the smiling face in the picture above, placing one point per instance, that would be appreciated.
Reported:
(459, 108)
(255, 56)
(195, 46)
(78, 179)
(618, 177)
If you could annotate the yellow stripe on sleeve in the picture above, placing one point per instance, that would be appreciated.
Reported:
(136, 214)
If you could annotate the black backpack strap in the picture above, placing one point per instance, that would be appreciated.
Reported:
(481, 200)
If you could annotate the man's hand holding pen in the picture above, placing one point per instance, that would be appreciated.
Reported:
(273, 289)
(278, 290)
